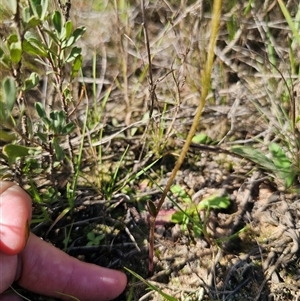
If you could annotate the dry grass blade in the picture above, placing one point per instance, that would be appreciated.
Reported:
(206, 78)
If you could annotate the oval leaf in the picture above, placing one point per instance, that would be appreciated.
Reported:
(67, 30)
(73, 54)
(15, 52)
(151, 208)
(10, 93)
(40, 110)
(39, 8)
(214, 201)
(57, 22)
(13, 151)
(76, 65)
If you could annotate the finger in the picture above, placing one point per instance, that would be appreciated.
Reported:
(15, 212)
(49, 271)
(8, 270)
(10, 297)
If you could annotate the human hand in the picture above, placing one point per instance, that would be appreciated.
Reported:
(40, 267)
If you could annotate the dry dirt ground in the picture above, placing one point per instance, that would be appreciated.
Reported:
(253, 250)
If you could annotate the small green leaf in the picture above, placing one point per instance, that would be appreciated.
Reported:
(40, 110)
(34, 46)
(58, 119)
(36, 7)
(31, 82)
(279, 158)
(53, 35)
(255, 156)
(10, 93)
(197, 230)
(39, 8)
(32, 22)
(91, 235)
(151, 208)
(76, 66)
(93, 239)
(289, 180)
(15, 52)
(26, 15)
(181, 193)
(29, 20)
(13, 38)
(57, 22)
(44, 4)
(59, 152)
(33, 49)
(279, 164)
(248, 7)
(214, 201)
(73, 54)
(43, 137)
(77, 34)
(285, 170)
(177, 189)
(67, 30)
(200, 138)
(177, 217)
(98, 239)
(14, 151)
(68, 129)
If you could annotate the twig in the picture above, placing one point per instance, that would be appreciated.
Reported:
(152, 85)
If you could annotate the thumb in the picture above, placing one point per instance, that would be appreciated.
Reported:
(49, 271)
(15, 213)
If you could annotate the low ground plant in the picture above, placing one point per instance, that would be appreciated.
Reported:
(278, 152)
(36, 107)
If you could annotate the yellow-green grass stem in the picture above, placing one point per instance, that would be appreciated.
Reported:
(205, 85)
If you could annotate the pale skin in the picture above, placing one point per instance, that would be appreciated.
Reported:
(41, 268)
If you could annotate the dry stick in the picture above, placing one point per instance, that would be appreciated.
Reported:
(206, 78)
(152, 86)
